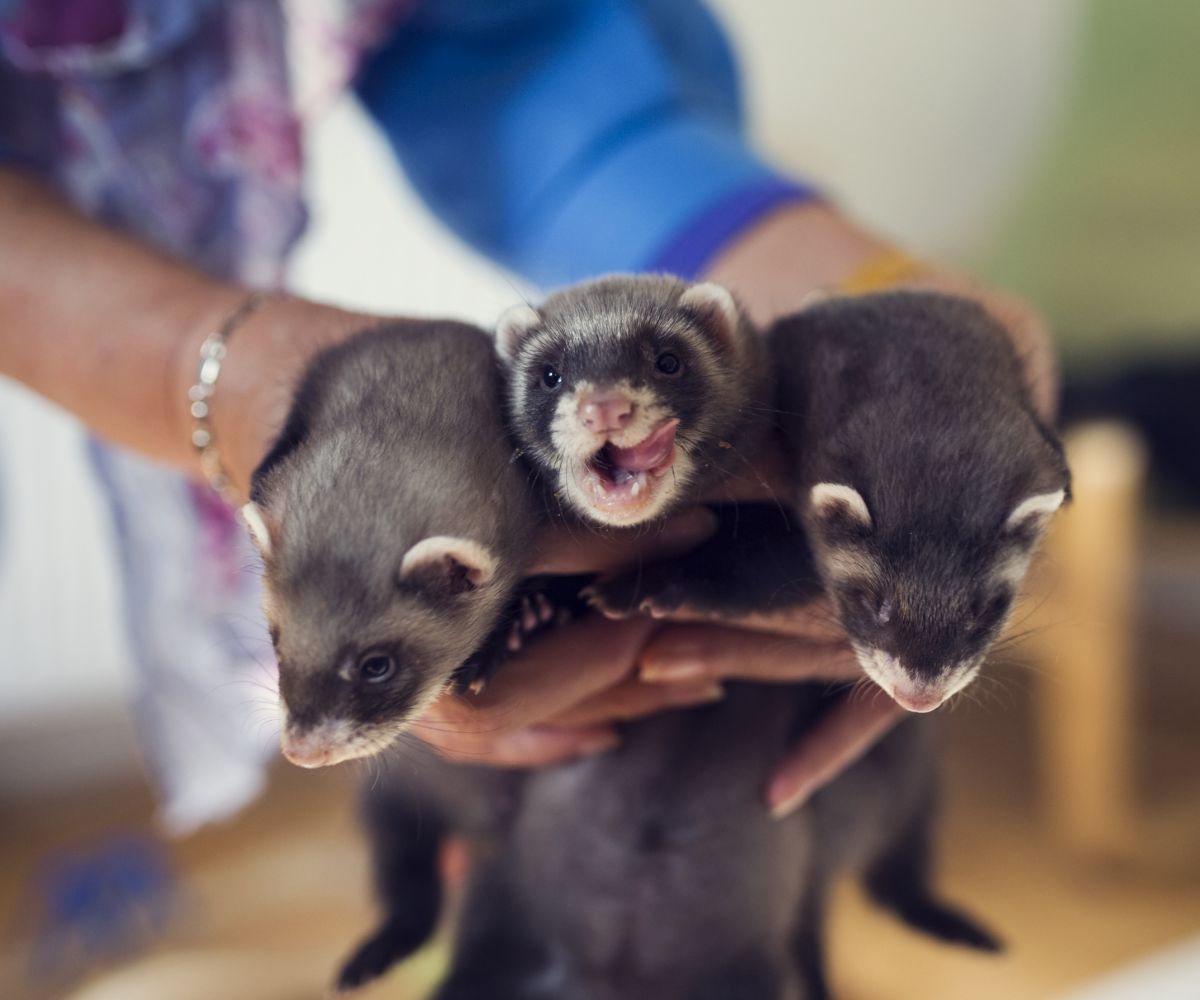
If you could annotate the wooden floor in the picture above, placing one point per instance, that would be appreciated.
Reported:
(269, 902)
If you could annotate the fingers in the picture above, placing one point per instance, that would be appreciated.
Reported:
(533, 746)
(507, 726)
(573, 548)
(559, 670)
(817, 620)
(634, 698)
(694, 653)
(838, 739)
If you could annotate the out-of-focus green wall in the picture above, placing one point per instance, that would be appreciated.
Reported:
(1106, 238)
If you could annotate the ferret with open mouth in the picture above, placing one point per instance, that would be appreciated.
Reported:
(633, 394)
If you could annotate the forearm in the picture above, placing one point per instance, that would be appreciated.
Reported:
(774, 265)
(110, 330)
(97, 322)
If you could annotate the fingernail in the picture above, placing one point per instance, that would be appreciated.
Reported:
(672, 671)
(694, 694)
(783, 804)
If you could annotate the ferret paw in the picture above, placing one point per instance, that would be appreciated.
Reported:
(626, 596)
(372, 959)
(950, 925)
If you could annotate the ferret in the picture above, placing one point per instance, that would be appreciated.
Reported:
(394, 531)
(924, 476)
(631, 394)
(654, 872)
(920, 473)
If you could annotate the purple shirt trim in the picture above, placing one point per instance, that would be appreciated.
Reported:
(689, 251)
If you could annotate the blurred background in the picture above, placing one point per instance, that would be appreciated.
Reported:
(1053, 148)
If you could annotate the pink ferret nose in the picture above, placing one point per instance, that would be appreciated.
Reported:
(605, 411)
(917, 697)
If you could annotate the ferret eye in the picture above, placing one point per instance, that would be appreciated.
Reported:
(376, 668)
(668, 364)
(987, 614)
(551, 377)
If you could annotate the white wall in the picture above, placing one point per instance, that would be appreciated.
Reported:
(920, 114)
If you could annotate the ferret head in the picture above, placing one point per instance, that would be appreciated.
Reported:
(923, 601)
(620, 390)
(366, 637)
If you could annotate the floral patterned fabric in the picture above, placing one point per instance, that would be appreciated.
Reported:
(174, 120)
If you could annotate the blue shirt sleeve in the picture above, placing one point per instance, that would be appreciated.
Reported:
(567, 138)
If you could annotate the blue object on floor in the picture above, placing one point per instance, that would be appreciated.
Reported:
(94, 906)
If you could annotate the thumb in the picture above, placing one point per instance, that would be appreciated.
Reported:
(839, 739)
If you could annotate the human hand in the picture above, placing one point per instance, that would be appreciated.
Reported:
(805, 644)
(561, 696)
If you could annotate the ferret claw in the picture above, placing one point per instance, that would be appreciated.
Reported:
(529, 617)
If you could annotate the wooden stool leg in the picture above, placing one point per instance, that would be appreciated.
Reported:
(1085, 702)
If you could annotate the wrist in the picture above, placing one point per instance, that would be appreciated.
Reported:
(195, 315)
(776, 265)
(264, 360)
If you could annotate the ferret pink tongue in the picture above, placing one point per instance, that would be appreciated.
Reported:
(655, 454)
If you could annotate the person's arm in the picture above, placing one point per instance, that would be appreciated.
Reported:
(799, 249)
(110, 329)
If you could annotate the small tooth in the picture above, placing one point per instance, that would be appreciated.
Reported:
(545, 610)
(477, 685)
(529, 618)
(636, 488)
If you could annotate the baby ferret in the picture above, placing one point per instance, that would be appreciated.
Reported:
(653, 872)
(630, 394)
(394, 530)
(924, 476)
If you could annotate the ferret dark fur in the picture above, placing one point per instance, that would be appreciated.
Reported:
(923, 477)
(631, 395)
(654, 872)
(394, 531)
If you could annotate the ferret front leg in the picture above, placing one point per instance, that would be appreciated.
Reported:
(756, 561)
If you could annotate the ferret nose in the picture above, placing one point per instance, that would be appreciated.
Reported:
(609, 411)
(917, 697)
(306, 748)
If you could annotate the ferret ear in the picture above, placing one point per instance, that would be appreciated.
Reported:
(515, 324)
(714, 308)
(839, 509)
(1031, 516)
(446, 564)
(256, 519)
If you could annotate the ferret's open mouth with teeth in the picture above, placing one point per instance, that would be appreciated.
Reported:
(622, 481)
